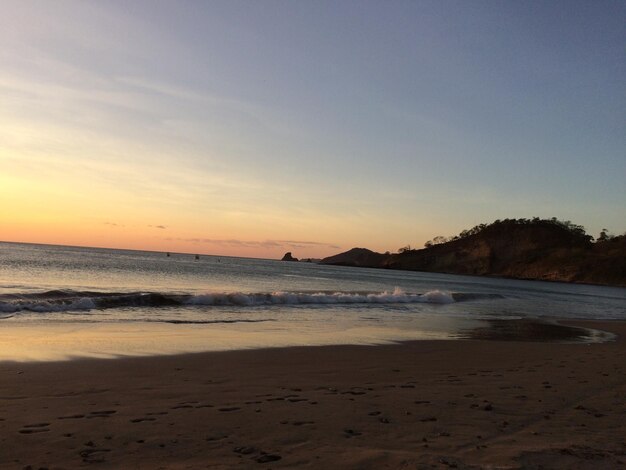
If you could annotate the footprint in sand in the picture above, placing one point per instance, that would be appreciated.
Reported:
(245, 450)
(139, 420)
(101, 414)
(35, 428)
(229, 408)
(265, 458)
(93, 455)
(261, 457)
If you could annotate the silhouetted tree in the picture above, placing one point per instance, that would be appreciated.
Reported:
(500, 224)
(604, 235)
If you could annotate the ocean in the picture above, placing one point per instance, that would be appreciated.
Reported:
(59, 302)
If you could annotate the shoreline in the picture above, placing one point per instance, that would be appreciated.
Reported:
(24, 343)
(417, 404)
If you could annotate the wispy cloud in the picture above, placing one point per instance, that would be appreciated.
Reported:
(161, 227)
(258, 243)
(197, 97)
(302, 244)
(113, 224)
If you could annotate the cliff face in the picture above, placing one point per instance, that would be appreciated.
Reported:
(607, 265)
(542, 250)
(535, 252)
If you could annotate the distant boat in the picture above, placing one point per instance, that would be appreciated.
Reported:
(168, 254)
(197, 256)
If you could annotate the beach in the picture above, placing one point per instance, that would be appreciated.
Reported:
(421, 404)
(312, 235)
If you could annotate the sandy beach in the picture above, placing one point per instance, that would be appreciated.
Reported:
(425, 404)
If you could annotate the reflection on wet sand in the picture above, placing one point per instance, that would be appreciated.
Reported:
(535, 330)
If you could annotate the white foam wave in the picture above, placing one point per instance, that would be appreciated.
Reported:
(53, 304)
(319, 298)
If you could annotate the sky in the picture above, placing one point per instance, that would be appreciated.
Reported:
(252, 128)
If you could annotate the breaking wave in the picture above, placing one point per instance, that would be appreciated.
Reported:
(67, 300)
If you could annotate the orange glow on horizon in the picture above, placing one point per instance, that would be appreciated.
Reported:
(75, 209)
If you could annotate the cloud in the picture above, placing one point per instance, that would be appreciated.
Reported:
(162, 227)
(306, 244)
(113, 224)
(268, 244)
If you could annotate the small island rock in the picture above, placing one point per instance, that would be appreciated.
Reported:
(288, 257)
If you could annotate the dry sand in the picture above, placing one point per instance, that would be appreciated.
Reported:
(428, 404)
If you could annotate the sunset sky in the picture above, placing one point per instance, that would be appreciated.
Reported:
(251, 128)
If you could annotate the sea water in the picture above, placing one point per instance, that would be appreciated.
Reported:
(59, 302)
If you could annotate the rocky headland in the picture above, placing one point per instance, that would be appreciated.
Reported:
(542, 249)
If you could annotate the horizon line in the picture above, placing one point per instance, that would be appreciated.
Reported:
(138, 250)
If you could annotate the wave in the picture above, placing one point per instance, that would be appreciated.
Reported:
(319, 298)
(209, 322)
(68, 300)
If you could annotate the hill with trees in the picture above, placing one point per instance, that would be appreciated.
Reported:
(545, 249)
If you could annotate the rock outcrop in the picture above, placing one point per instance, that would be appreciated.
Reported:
(288, 257)
(361, 257)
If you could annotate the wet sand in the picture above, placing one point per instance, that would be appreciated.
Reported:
(426, 404)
